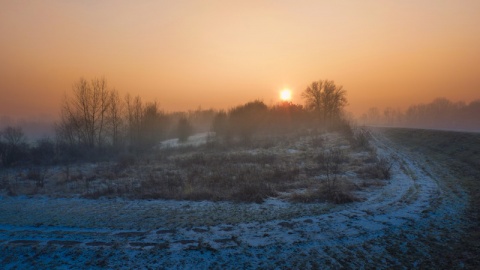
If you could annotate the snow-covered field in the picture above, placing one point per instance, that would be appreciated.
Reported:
(409, 222)
(194, 140)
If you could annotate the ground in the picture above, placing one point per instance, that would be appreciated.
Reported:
(420, 218)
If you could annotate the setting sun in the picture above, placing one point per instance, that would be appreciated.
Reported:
(286, 95)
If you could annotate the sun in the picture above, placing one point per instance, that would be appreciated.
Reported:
(286, 95)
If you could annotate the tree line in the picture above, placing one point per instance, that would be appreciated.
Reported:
(441, 113)
(97, 121)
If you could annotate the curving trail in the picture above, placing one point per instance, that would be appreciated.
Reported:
(412, 221)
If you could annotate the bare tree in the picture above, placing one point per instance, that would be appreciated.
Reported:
(115, 118)
(373, 116)
(134, 108)
(325, 98)
(84, 115)
(102, 101)
(334, 99)
(313, 96)
(145, 122)
(184, 129)
(13, 135)
(11, 141)
(330, 163)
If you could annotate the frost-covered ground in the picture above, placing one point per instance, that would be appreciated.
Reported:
(194, 140)
(412, 221)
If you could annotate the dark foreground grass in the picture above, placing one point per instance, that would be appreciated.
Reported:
(329, 166)
(460, 153)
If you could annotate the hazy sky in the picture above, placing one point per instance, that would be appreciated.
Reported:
(223, 53)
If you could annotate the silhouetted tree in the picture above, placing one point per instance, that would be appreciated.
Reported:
(43, 152)
(13, 135)
(152, 125)
(84, 115)
(115, 119)
(246, 119)
(430, 115)
(325, 98)
(134, 119)
(200, 119)
(184, 129)
(286, 117)
(12, 145)
(373, 115)
(220, 126)
(441, 113)
(100, 92)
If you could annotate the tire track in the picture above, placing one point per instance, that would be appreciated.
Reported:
(403, 224)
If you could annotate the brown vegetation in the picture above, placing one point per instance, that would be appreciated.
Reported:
(107, 146)
(301, 167)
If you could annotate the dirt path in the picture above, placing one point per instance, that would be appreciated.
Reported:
(413, 221)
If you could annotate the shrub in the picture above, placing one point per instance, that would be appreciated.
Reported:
(124, 161)
(200, 195)
(381, 169)
(317, 142)
(43, 153)
(339, 194)
(221, 127)
(247, 119)
(281, 174)
(361, 139)
(253, 192)
(38, 176)
(330, 161)
(345, 127)
(4, 181)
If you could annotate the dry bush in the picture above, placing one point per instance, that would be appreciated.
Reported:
(126, 160)
(5, 184)
(38, 176)
(200, 195)
(78, 176)
(341, 197)
(96, 193)
(199, 159)
(235, 172)
(381, 169)
(221, 159)
(167, 185)
(104, 171)
(282, 174)
(372, 157)
(253, 192)
(360, 139)
(317, 142)
(232, 182)
(371, 183)
(330, 163)
(235, 177)
(339, 194)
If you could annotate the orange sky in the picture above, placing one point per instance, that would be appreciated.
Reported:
(223, 53)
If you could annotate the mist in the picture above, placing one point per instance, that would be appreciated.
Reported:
(35, 128)
(441, 114)
(223, 134)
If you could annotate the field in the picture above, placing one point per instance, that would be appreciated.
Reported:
(310, 200)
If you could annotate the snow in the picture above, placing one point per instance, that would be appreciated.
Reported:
(200, 235)
(194, 140)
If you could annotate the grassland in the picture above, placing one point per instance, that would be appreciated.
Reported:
(456, 156)
(424, 216)
(302, 167)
